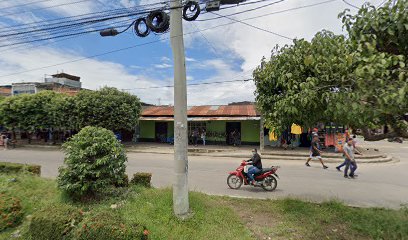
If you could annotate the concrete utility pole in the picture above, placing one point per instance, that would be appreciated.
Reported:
(180, 185)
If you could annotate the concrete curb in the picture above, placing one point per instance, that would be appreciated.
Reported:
(231, 153)
(379, 159)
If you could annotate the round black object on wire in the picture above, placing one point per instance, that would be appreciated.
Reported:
(158, 21)
(138, 32)
(192, 7)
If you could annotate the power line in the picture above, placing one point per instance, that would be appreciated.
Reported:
(276, 12)
(193, 84)
(245, 11)
(25, 4)
(264, 15)
(76, 18)
(118, 10)
(250, 25)
(122, 49)
(382, 3)
(56, 26)
(351, 5)
(39, 9)
(60, 36)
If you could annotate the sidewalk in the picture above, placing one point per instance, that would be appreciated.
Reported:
(370, 153)
(301, 154)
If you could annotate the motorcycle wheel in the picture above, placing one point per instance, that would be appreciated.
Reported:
(234, 182)
(270, 183)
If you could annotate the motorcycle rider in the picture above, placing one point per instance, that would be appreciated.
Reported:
(256, 167)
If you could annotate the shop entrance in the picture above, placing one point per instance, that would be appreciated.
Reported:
(161, 131)
(233, 130)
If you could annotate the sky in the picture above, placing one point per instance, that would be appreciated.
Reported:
(215, 50)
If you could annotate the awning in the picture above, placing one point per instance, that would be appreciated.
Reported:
(200, 119)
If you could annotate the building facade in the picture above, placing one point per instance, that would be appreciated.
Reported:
(61, 83)
(227, 124)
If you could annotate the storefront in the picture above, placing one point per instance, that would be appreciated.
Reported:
(226, 125)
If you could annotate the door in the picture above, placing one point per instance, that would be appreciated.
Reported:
(161, 131)
(233, 130)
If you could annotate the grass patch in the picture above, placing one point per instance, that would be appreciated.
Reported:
(218, 217)
(209, 220)
(295, 219)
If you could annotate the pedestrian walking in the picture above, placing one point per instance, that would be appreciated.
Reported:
(6, 141)
(203, 133)
(195, 136)
(350, 160)
(316, 152)
(314, 134)
(354, 139)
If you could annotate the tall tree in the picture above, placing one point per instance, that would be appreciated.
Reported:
(27, 112)
(360, 81)
(108, 108)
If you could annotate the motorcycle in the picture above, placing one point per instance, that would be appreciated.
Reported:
(265, 178)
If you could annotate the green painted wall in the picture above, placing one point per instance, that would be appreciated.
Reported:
(215, 126)
(250, 131)
(170, 129)
(147, 129)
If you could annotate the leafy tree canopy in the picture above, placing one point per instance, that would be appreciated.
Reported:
(360, 81)
(108, 108)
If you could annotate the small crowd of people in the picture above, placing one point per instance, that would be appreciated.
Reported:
(235, 138)
(196, 133)
(349, 149)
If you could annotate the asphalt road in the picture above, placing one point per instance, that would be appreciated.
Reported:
(378, 185)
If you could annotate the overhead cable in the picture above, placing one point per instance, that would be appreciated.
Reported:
(253, 26)
(39, 9)
(193, 84)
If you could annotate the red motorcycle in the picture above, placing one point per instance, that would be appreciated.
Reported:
(264, 178)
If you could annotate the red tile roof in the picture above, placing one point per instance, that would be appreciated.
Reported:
(226, 110)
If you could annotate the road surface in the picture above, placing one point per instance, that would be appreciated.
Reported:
(378, 185)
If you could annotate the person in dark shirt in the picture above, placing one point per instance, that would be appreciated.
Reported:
(256, 167)
(315, 152)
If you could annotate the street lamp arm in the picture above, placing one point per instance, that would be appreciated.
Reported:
(110, 32)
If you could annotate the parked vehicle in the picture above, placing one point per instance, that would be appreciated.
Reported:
(265, 179)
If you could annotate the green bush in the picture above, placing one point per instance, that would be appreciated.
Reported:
(124, 182)
(6, 167)
(143, 179)
(107, 225)
(54, 222)
(94, 160)
(11, 212)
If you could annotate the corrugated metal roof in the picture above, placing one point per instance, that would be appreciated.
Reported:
(200, 119)
(204, 111)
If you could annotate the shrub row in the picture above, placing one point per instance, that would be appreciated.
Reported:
(6, 167)
(143, 179)
(11, 212)
(69, 223)
(54, 222)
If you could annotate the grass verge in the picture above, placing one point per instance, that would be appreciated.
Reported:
(216, 217)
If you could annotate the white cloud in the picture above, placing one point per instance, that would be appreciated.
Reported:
(165, 59)
(250, 44)
(188, 59)
(234, 43)
(94, 73)
(163, 66)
